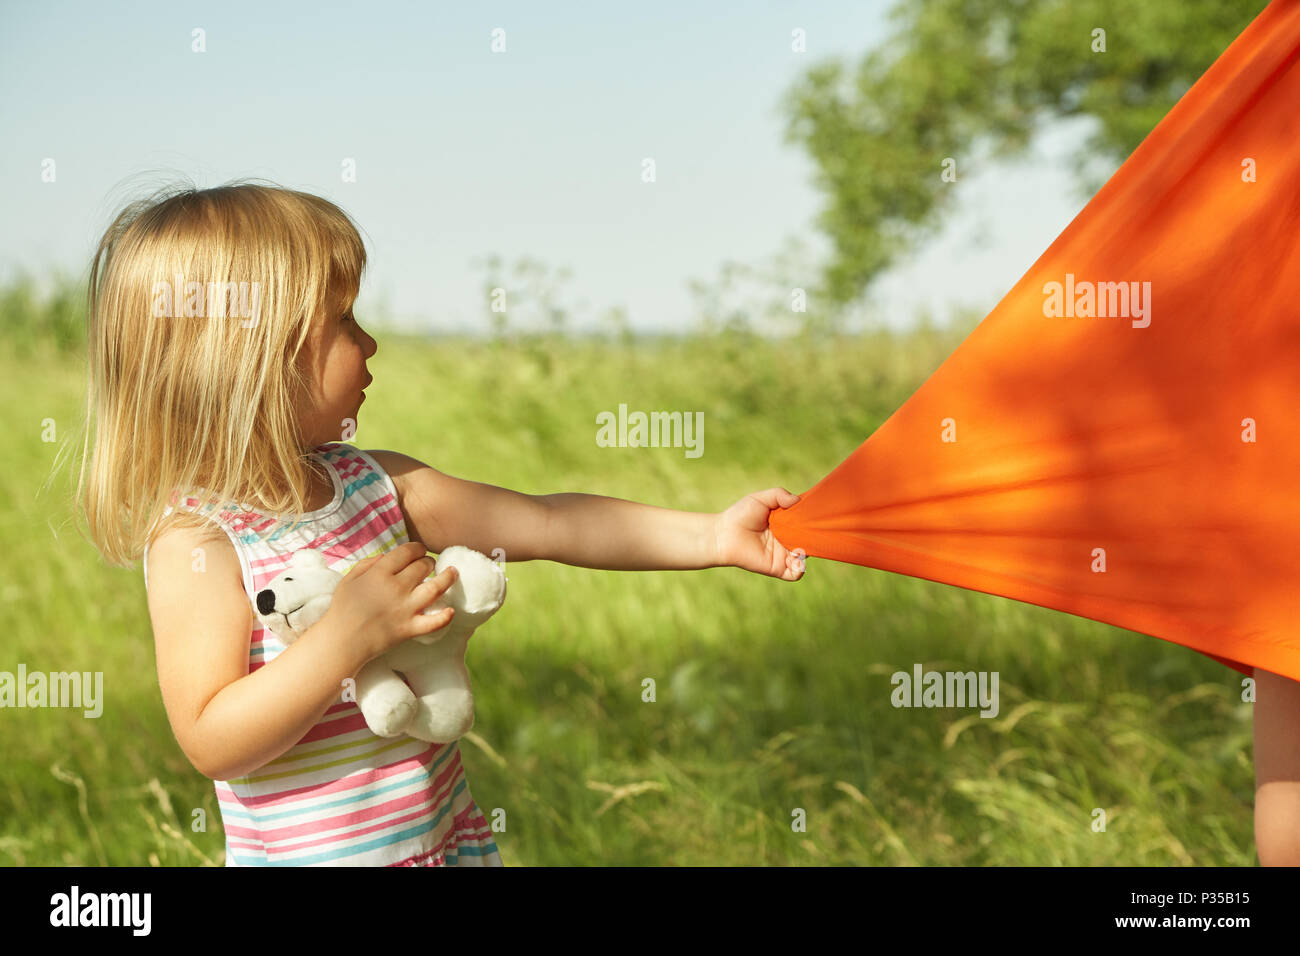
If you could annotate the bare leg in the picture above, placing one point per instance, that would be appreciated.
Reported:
(387, 704)
(1277, 769)
(437, 673)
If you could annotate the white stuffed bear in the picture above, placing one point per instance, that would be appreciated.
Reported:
(438, 706)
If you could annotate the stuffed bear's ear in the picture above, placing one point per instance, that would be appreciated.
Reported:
(307, 558)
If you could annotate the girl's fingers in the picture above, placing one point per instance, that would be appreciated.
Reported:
(432, 588)
(776, 498)
(435, 621)
(797, 561)
(364, 563)
(417, 571)
(402, 555)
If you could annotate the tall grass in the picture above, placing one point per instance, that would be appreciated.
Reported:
(772, 699)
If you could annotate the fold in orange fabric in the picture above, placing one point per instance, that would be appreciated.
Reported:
(1118, 439)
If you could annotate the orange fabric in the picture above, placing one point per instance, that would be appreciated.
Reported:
(1125, 434)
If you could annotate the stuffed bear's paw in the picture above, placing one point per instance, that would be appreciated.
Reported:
(443, 717)
(389, 709)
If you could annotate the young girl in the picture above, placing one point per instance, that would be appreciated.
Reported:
(226, 375)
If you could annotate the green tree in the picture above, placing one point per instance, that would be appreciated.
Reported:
(961, 75)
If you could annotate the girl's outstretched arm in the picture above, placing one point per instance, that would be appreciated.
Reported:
(589, 531)
(596, 532)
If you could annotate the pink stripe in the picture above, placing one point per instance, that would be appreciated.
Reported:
(241, 522)
(466, 819)
(262, 570)
(476, 830)
(421, 811)
(420, 800)
(334, 728)
(376, 516)
(346, 476)
(342, 785)
(419, 858)
(458, 833)
(353, 541)
(386, 516)
(339, 707)
(349, 466)
(423, 801)
(439, 789)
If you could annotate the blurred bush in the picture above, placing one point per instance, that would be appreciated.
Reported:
(52, 313)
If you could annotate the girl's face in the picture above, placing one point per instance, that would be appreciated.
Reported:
(336, 367)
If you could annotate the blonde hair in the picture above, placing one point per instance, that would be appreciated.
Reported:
(206, 402)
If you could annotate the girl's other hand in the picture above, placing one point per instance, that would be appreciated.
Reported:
(743, 539)
(380, 599)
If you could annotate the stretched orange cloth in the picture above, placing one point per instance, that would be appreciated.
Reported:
(1133, 466)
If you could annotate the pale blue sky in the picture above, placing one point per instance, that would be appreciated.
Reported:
(461, 152)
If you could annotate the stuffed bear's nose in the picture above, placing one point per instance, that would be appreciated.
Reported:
(265, 601)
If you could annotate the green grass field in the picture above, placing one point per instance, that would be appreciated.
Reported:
(771, 696)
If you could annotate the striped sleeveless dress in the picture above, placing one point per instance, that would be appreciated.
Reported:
(341, 796)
